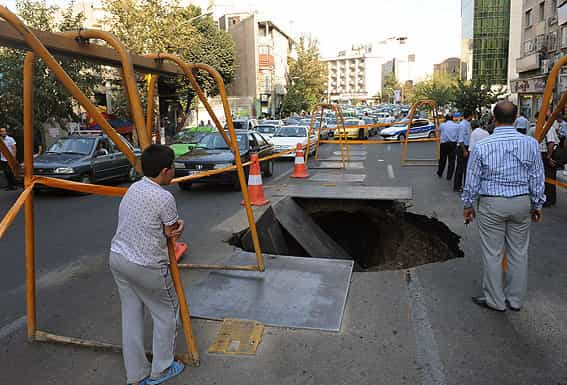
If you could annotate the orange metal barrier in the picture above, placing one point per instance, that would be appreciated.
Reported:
(339, 118)
(12, 162)
(421, 162)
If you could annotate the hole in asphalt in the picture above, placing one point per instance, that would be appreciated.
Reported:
(377, 235)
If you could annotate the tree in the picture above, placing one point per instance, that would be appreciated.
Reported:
(389, 87)
(160, 26)
(474, 95)
(306, 79)
(440, 88)
(52, 100)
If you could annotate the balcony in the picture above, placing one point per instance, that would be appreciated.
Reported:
(265, 61)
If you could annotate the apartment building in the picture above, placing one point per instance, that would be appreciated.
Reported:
(450, 67)
(543, 42)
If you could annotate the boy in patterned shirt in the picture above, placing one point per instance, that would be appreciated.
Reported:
(139, 264)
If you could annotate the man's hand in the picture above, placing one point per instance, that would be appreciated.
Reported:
(536, 216)
(175, 230)
(551, 162)
(465, 153)
(469, 215)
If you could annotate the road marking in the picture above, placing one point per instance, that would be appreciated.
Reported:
(380, 160)
(390, 170)
(427, 354)
(12, 327)
(389, 147)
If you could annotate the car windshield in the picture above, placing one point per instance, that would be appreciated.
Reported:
(188, 137)
(81, 146)
(240, 125)
(266, 129)
(291, 131)
(215, 141)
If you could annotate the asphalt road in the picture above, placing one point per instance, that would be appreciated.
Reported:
(420, 328)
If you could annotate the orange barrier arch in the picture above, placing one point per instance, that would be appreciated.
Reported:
(413, 110)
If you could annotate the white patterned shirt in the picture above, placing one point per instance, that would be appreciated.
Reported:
(144, 211)
(11, 144)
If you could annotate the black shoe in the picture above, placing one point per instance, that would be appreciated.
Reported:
(480, 301)
(512, 307)
(459, 190)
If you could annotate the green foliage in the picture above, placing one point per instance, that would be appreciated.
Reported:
(160, 26)
(52, 100)
(440, 88)
(307, 78)
(473, 96)
(390, 85)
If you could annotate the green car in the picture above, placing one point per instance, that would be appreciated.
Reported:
(188, 138)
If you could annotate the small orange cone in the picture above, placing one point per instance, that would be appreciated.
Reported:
(180, 249)
(255, 187)
(299, 170)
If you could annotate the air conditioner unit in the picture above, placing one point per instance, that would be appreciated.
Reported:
(552, 20)
(545, 66)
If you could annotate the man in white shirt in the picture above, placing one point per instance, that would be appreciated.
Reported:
(11, 144)
(477, 135)
(522, 124)
(448, 148)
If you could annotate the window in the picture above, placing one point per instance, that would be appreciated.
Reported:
(528, 18)
(541, 11)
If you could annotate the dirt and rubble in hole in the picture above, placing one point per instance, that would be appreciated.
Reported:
(378, 235)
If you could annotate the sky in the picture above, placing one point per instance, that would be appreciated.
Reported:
(433, 27)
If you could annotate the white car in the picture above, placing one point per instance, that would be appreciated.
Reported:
(267, 130)
(287, 137)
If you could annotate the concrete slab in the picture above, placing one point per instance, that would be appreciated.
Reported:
(350, 192)
(337, 177)
(304, 293)
(352, 152)
(335, 158)
(310, 236)
(317, 164)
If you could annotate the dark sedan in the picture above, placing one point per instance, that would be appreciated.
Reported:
(87, 159)
(213, 153)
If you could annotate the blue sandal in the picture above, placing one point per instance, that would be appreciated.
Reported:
(143, 381)
(175, 369)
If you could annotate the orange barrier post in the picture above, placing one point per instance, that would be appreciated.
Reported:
(299, 169)
(255, 187)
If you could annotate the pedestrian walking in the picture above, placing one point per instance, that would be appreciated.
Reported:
(462, 151)
(562, 130)
(448, 148)
(522, 123)
(505, 182)
(546, 147)
(11, 144)
(139, 264)
(478, 133)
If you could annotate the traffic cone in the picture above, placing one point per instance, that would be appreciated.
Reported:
(180, 249)
(299, 170)
(255, 187)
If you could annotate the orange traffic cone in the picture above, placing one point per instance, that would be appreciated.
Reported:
(299, 170)
(255, 187)
(180, 249)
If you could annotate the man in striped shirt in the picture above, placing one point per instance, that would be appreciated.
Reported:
(505, 180)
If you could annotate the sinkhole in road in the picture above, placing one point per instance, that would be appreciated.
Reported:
(376, 234)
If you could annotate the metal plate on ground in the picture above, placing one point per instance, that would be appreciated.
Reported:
(337, 177)
(335, 165)
(352, 152)
(338, 158)
(304, 293)
(350, 192)
(237, 337)
(420, 162)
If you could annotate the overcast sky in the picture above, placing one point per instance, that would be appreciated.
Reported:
(433, 27)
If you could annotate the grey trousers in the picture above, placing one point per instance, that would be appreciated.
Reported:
(151, 288)
(504, 223)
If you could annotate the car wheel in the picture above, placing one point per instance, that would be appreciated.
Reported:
(269, 170)
(402, 137)
(185, 186)
(132, 175)
(431, 134)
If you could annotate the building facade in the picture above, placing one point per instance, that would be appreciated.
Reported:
(543, 42)
(485, 50)
(450, 67)
(263, 50)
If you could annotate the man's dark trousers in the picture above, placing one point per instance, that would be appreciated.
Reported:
(550, 189)
(461, 170)
(448, 151)
(8, 174)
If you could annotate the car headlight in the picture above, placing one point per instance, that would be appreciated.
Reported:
(179, 165)
(64, 170)
(222, 165)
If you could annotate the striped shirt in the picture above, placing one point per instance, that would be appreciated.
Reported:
(505, 164)
(449, 131)
(465, 132)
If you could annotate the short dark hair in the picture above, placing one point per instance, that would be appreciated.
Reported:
(475, 124)
(155, 158)
(467, 114)
(505, 112)
(448, 117)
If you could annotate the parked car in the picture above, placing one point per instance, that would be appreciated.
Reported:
(267, 130)
(352, 131)
(323, 133)
(213, 153)
(244, 124)
(86, 159)
(275, 122)
(420, 128)
(188, 138)
(287, 137)
(368, 121)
